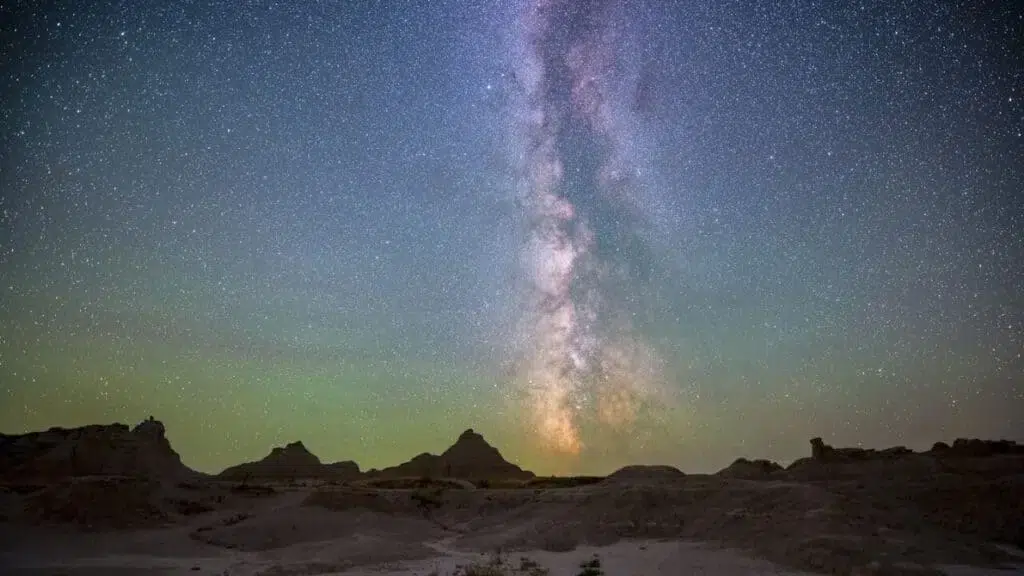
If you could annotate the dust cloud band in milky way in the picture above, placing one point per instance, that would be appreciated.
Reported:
(577, 358)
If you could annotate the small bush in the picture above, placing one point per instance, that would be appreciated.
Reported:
(482, 570)
(591, 567)
(236, 519)
(428, 498)
(531, 568)
(497, 566)
(254, 489)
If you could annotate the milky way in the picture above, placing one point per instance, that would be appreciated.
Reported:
(581, 357)
(599, 232)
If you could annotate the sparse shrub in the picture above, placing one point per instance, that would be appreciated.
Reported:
(236, 519)
(591, 567)
(190, 507)
(428, 498)
(531, 568)
(482, 570)
(23, 489)
(254, 489)
(497, 559)
(562, 481)
(498, 566)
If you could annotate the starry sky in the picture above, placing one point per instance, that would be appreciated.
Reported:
(267, 221)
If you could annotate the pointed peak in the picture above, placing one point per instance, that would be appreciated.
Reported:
(291, 448)
(470, 434)
(293, 452)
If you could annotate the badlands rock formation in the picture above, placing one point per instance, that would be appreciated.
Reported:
(470, 458)
(838, 511)
(96, 450)
(291, 462)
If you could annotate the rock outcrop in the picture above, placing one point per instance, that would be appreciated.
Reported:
(970, 487)
(291, 462)
(823, 452)
(965, 455)
(470, 458)
(95, 450)
(975, 448)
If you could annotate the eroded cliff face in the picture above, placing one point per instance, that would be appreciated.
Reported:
(95, 450)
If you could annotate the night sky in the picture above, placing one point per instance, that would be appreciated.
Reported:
(598, 232)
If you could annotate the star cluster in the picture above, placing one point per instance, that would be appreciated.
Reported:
(273, 221)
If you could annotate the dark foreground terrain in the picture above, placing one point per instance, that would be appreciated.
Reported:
(114, 500)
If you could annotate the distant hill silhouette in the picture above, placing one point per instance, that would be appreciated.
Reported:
(965, 455)
(470, 458)
(293, 461)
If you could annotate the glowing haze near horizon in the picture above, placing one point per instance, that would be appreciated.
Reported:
(598, 232)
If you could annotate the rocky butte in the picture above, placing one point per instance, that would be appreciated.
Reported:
(837, 511)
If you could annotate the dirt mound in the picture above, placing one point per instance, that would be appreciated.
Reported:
(750, 469)
(291, 462)
(96, 450)
(470, 458)
(645, 474)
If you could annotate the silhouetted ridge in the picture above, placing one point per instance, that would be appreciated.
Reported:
(965, 455)
(291, 462)
(470, 458)
(93, 450)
